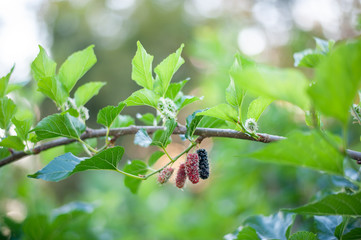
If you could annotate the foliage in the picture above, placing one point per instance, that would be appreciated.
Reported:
(252, 90)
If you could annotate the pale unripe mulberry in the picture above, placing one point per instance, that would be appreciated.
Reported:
(165, 174)
(251, 125)
(192, 167)
(181, 176)
(203, 163)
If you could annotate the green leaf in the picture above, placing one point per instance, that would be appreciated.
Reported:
(221, 111)
(108, 114)
(211, 122)
(13, 142)
(338, 204)
(135, 167)
(340, 229)
(326, 226)
(354, 234)
(192, 122)
(107, 159)
(167, 68)
(7, 111)
(4, 152)
(142, 68)
(175, 88)
(303, 235)
(142, 138)
(257, 107)
(54, 89)
(4, 83)
(186, 100)
(22, 127)
(14, 86)
(247, 233)
(85, 92)
(122, 121)
(43, 66)
(303, 149)
(265, 226)
(65, 165)
(58, 125)
(323, 45)
(148, 119)
(161, 137)
(278, 84)
(75, 66)
(143, 97)
(339, 76)
(58, 169)
(308, 58)
(70, 210)
(154, 157)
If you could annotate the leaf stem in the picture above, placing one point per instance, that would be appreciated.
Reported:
(130, 175)
(87, 145)
(165, 151)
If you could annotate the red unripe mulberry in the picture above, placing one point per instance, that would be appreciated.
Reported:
(165, 174)
(192, 167)
(181, 176)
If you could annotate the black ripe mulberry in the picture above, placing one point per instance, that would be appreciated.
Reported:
(203, 163)
(165, 174)
(181, 176)
(192, 167)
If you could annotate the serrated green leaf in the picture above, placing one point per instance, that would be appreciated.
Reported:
(192, 122)
(265, 226)
(108, 114)
(161, 138)
(148, 119)
(43, 66)
(247, 233)
(308, 58)
(354, 234)
(54, 89)
(13, 142)
(337, 204)
(142, 68)
(143, 97)
(211, 122)
(186, 100)
(339, 76)
(14, 86)
(65, 165)
(303, 235)
(75, 66)
(278, 84)
(136, 167)
(221, 111)
(58, 125)
(340, 229)
(323, 45)
(167, 68)
(142, 138)
(122, 121)
(175, 88)
(257, 107)
(85, 92)
(7, 111)
(303, 149)
(154, 157)
(326, 226)
(4, 81)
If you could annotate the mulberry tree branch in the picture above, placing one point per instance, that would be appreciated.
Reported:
(117, 132)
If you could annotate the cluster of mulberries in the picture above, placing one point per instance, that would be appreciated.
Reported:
(165, 174)
(203, 163)
(166, 109)
(195, 167)
(83, 111)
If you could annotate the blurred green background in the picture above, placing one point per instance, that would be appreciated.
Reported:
(212, 31)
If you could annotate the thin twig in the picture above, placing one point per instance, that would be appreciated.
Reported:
(116, 132)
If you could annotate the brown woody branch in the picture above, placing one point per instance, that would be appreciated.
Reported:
(117, 132)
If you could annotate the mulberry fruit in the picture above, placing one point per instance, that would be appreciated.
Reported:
(165, 174)
(181, 176)
(203, 164)
(192, 167)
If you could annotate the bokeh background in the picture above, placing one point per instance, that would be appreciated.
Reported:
(268, 31)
